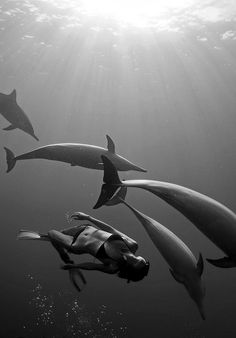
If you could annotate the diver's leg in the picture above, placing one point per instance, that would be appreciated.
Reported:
(61, 242)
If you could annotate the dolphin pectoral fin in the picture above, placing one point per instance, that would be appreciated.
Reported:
(200, 265)
(110, 145)
(225, 262)
(118, 197)
(11, 127)
(176, 276)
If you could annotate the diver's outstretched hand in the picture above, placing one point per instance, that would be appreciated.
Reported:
(79, 216)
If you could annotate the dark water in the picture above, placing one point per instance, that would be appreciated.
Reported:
(166, 93)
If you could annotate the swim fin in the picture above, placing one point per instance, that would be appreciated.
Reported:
(32, 235)
(72, 275)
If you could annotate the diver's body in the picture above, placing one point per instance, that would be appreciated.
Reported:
(115, 250)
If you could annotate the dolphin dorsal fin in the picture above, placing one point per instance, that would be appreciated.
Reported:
(110, 145)
(176, 276)
(200, 265)
(13, 95)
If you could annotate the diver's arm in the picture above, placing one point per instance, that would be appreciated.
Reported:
(133, 245)
(92, 266)
(71, 231)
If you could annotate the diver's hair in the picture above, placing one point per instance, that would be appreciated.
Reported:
(133, 274)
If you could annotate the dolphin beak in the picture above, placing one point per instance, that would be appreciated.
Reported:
(140, 169)
(143, 170)
(35, 137)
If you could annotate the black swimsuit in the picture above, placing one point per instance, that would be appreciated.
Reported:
(102, 254)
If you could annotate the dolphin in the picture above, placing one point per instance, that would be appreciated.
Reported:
(14, 114)
(212, 218)
(183, 265)
(83, 155)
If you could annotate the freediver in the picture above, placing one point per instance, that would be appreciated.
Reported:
(115, 250)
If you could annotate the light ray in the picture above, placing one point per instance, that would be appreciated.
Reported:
(136, 12)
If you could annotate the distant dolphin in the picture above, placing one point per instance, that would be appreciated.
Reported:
(14, 114)
(183, 265)
(212, 218)
(83, 155)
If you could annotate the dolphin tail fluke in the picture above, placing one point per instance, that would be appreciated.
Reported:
(111, 180)
(32, 235)
(11, 161)
(118, 198)
(110, 173)
(225, 262)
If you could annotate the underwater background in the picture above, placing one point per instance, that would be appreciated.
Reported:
(164, 88)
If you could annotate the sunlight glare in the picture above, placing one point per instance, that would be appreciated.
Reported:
(132, 11)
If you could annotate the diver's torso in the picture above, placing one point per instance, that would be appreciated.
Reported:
(90, 240)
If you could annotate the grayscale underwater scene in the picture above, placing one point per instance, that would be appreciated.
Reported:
(118, 152)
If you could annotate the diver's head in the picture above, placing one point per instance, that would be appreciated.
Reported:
(134, 268)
